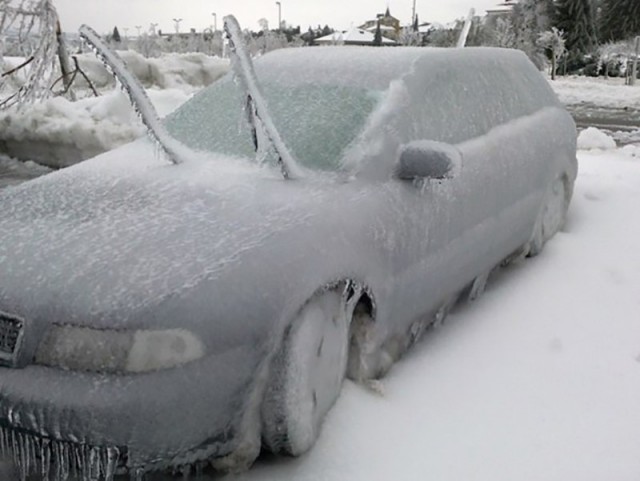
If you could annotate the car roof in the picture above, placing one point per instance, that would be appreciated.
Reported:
(364, 67)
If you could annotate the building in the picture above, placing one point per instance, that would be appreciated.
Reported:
(389, 25)
(355, 36)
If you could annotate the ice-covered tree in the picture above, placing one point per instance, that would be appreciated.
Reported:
(29, 29)
(503, 34)
(545, 14)
(530, 18)
(619, 19)
(576, 19)
(553, 41)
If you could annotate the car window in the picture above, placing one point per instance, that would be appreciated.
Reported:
(455, 102)
(317, 122)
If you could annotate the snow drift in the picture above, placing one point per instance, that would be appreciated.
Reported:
(58, 132)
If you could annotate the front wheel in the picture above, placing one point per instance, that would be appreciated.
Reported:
(307, 374)
(551, 217)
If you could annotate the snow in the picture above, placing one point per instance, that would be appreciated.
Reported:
(610, 92)
(14, 171)
(592, 138)
(58, 132)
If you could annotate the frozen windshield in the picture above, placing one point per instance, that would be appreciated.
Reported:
(317, 122)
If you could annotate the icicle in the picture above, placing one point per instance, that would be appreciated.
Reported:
(94, 464)
(113, 455)
(59, 461)
(175, 151)
(137, 474)
(45, 459)
(64, 462)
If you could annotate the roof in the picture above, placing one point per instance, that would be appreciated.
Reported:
(382, 27)
(370, 68)
(355, 36)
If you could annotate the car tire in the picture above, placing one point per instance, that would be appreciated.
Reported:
(307, 374)
(551, 217)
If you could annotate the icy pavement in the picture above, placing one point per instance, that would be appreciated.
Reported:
(623, 124)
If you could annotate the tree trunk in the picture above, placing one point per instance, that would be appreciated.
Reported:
(634, 69)
(553, 65)
(65, 69)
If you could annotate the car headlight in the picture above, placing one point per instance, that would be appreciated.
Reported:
(87, 349)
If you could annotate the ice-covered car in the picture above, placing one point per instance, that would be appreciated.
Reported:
(156, 315)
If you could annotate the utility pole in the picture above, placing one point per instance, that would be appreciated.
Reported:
(279, 16)
(215, 22)
(138, 28)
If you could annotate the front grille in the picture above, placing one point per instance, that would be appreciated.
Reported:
(10, 335)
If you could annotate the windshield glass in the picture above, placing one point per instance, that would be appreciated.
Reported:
(317, 122)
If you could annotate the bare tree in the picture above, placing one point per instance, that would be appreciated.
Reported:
(30, 29)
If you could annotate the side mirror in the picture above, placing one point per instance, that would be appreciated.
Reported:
(426, 159)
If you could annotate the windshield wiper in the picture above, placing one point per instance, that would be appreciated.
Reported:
(259, 117)
(175, 151)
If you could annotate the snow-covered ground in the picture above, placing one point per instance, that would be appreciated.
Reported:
(600, 91)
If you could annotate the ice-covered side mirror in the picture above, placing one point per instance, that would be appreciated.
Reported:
(427, 159)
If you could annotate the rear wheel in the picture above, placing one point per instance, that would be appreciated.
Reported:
(307, 374)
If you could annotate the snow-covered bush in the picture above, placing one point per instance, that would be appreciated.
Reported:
(595, 139)
(553, 41)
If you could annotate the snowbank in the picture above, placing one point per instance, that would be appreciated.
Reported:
(592, 138)
(14, 171)
(185, 71)
(600, 91)
(189, 71)
(58, 133)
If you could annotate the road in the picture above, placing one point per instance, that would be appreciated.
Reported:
(622, 124)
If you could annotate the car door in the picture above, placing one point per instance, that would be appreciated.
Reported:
(448, 231)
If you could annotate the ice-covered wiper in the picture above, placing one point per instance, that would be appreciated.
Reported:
(258, 114)
(137, 95)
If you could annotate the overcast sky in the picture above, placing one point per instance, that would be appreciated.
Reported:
(103, 15)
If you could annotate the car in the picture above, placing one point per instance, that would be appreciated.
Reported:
(326, 206)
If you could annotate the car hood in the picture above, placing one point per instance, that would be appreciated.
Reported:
(123, 231)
